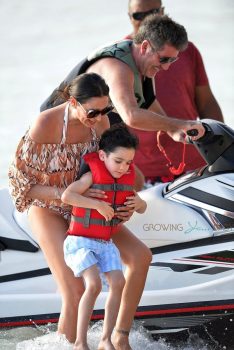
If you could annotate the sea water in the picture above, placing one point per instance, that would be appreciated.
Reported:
(41, 41)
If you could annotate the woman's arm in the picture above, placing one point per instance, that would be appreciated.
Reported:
(44, 192)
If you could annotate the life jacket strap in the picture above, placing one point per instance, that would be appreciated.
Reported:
(87, 217)
(99, 222)
(112, 187)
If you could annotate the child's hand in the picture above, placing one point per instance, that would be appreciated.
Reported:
(135, 203)
(106, 210)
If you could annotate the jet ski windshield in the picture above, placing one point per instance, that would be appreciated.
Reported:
(217, 149)
(190, 176)
(217, 146)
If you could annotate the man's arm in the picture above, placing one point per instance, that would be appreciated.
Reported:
(206, 103)
(157, 108)
(120, 80)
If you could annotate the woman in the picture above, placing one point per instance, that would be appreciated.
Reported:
(47, 160)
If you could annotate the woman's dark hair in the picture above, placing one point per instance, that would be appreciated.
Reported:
(116, 136)
(161, 30)
(83, 87)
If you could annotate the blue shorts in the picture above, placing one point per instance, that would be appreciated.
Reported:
(80, 253)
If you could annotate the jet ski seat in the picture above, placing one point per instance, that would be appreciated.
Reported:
(22, 221)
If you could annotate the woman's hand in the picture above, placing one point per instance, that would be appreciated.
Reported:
(123, 213)
(95, 193)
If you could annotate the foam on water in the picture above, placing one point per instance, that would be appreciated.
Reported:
(46, 338)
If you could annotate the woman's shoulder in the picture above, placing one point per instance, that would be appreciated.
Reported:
(48, 126)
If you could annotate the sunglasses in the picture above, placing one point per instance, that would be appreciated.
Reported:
(93, 113)
(139, 16)
(164, 59)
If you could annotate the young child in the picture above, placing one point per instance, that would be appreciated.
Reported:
(88, 248)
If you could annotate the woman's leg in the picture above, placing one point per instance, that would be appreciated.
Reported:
(93, 287)
(50, 229)
(137, 257)
(116, 283)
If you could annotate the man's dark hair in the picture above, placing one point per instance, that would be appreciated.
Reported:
(116, 136)
(132, 2)
(161, 30)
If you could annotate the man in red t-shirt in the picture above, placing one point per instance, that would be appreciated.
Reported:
(183, 92)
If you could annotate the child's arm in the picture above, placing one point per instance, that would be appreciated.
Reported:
(136, 203)
(73, 195)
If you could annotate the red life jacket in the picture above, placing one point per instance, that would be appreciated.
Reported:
(89, 222)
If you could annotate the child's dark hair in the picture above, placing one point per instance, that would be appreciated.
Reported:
(117, 136)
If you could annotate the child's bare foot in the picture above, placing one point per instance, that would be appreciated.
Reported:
(120, 340)
(105, 344)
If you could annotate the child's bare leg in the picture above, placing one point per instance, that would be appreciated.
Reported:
(116, 283)
(93, 287)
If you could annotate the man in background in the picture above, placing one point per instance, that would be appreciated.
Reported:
(183, 91)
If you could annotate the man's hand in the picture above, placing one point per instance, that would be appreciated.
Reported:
(180, 134)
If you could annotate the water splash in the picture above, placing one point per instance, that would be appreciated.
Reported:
(46, 338)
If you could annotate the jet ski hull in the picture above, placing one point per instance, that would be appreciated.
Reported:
(189, 227)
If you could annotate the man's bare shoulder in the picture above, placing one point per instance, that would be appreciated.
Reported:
(107, 66)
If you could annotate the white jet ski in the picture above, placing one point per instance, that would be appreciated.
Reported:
(189, 226)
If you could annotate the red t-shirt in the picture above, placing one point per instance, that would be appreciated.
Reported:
(175, 91)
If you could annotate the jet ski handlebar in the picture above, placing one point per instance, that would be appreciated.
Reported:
(216, 146)
(208, 133)
(192, 132)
